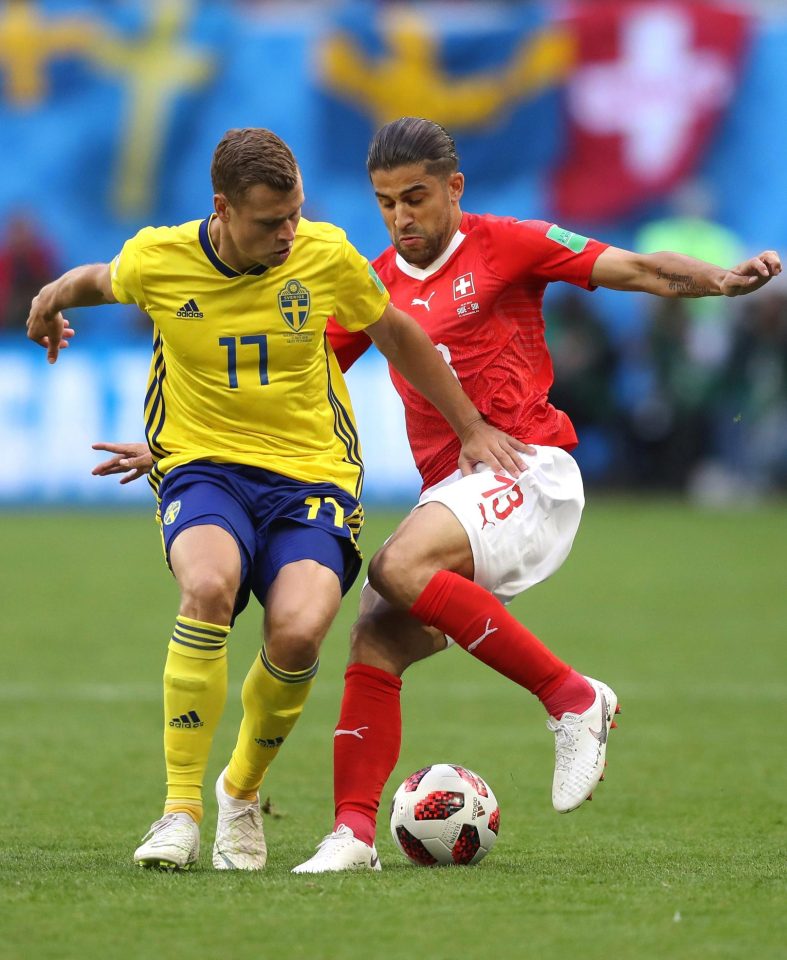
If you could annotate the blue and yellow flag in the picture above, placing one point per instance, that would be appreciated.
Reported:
(492, 83)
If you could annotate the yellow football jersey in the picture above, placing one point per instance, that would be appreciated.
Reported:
(242, 371)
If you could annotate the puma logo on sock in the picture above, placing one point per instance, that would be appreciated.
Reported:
(351, 733)
(487, 632)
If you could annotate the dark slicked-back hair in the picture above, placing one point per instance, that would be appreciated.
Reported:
(412, 140)
(247, 156)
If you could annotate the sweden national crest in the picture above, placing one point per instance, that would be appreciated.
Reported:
(294, 304)
(172, 512)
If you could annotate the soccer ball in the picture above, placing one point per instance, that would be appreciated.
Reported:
(444, 815)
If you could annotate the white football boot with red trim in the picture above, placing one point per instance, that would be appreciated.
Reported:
(581, 748)
(341, 850)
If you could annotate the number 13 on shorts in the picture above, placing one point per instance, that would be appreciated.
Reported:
(502, 506)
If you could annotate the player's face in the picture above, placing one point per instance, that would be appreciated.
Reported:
(261, 227)
(421, 211)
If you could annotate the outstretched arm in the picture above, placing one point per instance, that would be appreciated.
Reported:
(84, 286)
(399, 338)
(675, 275)
(132, 459)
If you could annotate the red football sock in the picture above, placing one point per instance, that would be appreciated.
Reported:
(365, 746)
(480, 624)
(574, 694)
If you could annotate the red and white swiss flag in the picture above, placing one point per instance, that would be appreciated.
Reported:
(650, 83)
(464, 286)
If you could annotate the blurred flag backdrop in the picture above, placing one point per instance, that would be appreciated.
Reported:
(109, 114)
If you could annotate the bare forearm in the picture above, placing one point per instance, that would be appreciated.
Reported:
(669, 274)
(413, 354)
(85, 286)
(676, 275)
(81, 287)
(665, 275)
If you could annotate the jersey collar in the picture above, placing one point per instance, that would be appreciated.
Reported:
(423, 274)
(210, 252)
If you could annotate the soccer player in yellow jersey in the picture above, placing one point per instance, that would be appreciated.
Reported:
(257, 462)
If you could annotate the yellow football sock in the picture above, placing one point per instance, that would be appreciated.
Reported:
(195, 689)
(273, 700)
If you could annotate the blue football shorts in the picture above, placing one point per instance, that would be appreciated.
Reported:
(274, 519)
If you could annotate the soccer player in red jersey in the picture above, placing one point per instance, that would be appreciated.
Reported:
(475, 284)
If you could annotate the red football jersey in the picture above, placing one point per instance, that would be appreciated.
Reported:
(480, 302)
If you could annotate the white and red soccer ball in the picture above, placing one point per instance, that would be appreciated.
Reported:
(444, 814)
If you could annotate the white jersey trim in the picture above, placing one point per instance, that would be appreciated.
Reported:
(423, 274)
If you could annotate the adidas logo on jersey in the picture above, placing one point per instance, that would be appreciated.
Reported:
(187, 721)
(190, 311)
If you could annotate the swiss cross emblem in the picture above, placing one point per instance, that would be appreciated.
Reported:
(464, 286)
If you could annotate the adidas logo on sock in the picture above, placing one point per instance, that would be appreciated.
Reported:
(190, 311)
(274, 742)
(187, 721)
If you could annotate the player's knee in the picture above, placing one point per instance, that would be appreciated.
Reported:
(397, 575)
(291, 653)
(384, 576)
(208, 595)
(293, 640)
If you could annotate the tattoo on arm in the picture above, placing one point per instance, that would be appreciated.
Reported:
(683, 284)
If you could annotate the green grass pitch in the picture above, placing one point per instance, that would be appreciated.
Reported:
(680, 855)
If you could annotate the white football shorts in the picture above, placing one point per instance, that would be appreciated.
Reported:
(520, 530)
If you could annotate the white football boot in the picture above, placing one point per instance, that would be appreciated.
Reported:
(240, 840)
(341, 850)
(581, 748)
(172, 843)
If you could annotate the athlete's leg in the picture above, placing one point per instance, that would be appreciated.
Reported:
(299, 575)
(280, 678)
(535, 522)
(384, 642)
(206, 562)
(390, 639)
(427, 568)
(273, 695)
